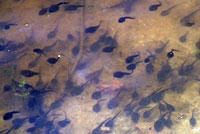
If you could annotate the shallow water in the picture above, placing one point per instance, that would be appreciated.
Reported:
(83, 67)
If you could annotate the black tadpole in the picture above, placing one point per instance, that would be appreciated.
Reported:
(162, 107)
(113, 102)
(169, 106)
(53, 60)
(28, 73)
(65, 122)
(149, 68)
(130, 59)
(109, 49)
(96, 95)
(120, 74)
(43, 11)
(147, 113)
(135, 116)
(159, 124)
(132, 67)
(128, 109)
(55, 7)
(97, 108)
(167, 11)
(110, 122)
(7, 88)
(183, 38)
(168, 122)
(171, 53)
(155, 7)
(159, 95)
(93, 29)
(9, 115)
(39, 51)
(123, 19)
(98, 130)
(193, 120)
(72, 7)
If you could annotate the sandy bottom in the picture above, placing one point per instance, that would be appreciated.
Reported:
(143, 35)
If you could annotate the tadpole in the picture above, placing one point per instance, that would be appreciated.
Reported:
(113, 102)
